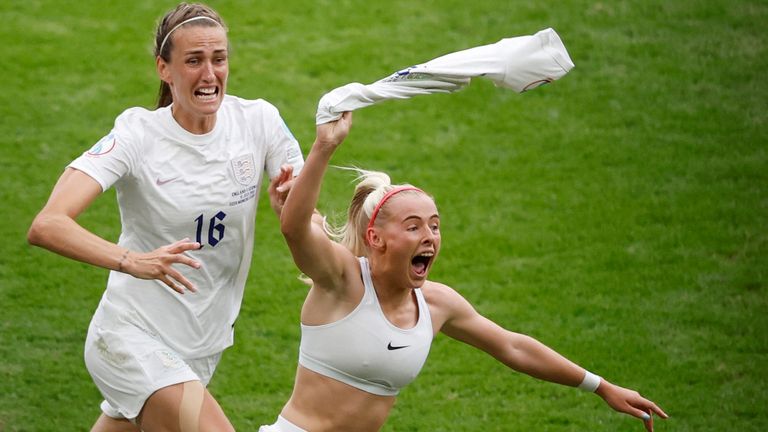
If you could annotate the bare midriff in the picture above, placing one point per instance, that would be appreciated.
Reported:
(320, 404)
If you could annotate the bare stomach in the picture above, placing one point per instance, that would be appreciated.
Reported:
(320, 404)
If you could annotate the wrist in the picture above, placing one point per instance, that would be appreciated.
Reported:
(590, 383)
(324, 146)
(123, 261)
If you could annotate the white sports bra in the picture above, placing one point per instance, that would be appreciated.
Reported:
(364, 349)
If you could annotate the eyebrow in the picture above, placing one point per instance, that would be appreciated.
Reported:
(405, 219)
(199, 51)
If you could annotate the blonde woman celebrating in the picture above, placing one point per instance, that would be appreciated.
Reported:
(371, 313)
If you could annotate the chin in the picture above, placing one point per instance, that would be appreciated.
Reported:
(211, 107)
(418, 282)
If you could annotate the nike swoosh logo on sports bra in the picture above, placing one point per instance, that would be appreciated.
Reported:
(392, 348)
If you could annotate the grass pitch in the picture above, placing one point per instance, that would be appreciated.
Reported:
(619, 214)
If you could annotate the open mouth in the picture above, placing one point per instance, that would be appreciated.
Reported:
(207, 94)
(420, 263)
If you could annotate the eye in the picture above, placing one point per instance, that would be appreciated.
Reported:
(193, 61)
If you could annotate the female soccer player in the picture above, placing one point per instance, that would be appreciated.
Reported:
(187, 176)
(371, 312)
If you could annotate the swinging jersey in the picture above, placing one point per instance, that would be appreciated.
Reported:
(172, 184)
(520, 63)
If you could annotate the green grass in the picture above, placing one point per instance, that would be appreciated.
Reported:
(620, 215)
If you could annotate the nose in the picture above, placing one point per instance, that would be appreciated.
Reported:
(429, 237)
(208, 74)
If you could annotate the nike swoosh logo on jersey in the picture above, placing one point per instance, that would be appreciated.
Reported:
(161, 182)
(392, 348)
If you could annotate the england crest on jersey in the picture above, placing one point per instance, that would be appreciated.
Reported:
(244, 169)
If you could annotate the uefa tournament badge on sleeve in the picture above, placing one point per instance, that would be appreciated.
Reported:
(104, 146)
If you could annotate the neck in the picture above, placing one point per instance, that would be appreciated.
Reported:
(197, 125)
(390, 290)
(397, 300)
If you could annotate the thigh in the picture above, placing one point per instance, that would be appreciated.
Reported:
(185, 407)
(281, 425)
(128, 365)
(109, 424)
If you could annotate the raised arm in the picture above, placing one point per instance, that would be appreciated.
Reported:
(312, 250)
(527, 355)
(55, 228)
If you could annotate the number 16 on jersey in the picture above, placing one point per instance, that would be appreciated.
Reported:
(215, 229)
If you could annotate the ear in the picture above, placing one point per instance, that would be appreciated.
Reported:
(374, 240)
(163, 70)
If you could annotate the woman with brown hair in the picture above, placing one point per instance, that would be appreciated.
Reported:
(187, 176)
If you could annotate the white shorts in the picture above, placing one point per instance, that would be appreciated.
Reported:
(128, 364)
(281, 425)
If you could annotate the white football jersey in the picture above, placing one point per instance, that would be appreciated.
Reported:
(520, 63)
(172, 184)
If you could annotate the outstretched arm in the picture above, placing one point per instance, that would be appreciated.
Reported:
(56, 229)
(527, 355)
(311, 248)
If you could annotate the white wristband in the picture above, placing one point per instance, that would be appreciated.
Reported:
(590, 383)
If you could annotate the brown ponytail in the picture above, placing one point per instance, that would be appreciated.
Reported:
(167, 24)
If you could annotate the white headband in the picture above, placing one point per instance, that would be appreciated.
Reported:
(162, 44)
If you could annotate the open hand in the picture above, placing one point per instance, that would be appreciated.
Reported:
(157, 264)
(279, 187)
(630, 402)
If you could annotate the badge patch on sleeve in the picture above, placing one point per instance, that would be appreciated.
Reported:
(288, 131)
(104, 146)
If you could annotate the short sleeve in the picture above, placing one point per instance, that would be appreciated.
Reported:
(283, 148)
(112, 157)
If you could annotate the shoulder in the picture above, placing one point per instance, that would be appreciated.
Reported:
(134, 116)
(130, 126)
(439, 293)
(455, 316)
(444, 300)
(135, 120)
(249, 106)
(255, 114)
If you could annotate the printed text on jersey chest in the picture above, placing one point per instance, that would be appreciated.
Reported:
(243, 195)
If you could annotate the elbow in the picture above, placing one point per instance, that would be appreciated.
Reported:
(294, 231)
(289, 231)
(39, 230)
(36, 232)
(285, 226)
(291, 224)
